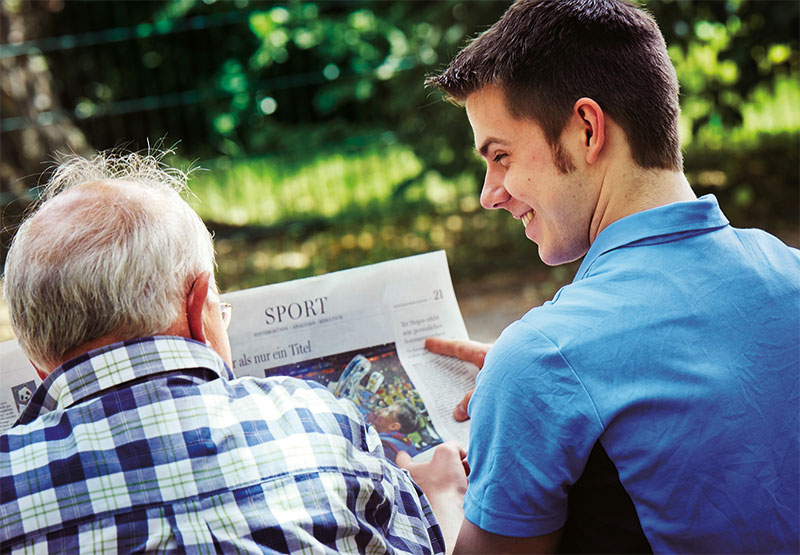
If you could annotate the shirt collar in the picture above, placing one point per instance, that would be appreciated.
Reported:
(698, 215)
(117, 364)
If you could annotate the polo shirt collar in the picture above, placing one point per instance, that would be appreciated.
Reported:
(699, 215)
(117, 364)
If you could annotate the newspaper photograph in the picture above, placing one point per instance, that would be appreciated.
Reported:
(376, 382)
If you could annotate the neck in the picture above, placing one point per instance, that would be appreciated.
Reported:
(46, 369)
(633, 190)
(178, 328)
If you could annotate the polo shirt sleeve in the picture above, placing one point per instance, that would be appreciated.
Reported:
(533, 428)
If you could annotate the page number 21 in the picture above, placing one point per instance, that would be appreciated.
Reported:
(437, 294)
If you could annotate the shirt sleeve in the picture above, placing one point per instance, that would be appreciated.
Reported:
(533, 427)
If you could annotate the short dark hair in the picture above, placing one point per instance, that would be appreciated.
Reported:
(406, 416)
(546, 54)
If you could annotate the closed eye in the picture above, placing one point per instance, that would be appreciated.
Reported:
(499, 157)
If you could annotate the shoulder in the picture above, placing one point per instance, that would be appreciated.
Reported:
(287, 392)
(581, 318)
(291, 406)
(766, 248)
(531, 365)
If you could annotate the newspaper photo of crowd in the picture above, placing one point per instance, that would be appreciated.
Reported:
(374, 379)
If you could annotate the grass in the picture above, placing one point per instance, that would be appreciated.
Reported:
(271, 190)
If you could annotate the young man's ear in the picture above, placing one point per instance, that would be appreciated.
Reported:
(592, 121)
(195, 304)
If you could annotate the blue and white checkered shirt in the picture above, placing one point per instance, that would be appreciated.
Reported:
(151, 444)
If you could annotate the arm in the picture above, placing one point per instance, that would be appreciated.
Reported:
(468, 351)
(533, 424)
(443, 479)
(472, 539)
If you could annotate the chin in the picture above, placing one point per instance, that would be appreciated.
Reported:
(553, 262)
(556, 258)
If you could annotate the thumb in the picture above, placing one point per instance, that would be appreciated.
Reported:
(403, 460)
(460, 413)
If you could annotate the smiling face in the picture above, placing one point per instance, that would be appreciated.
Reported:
(543, 189)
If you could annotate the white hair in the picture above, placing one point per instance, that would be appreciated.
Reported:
(111, 250)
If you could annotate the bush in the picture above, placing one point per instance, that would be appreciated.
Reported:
(757, 183)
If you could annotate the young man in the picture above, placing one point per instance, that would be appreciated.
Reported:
(653, 403)
(140, 438)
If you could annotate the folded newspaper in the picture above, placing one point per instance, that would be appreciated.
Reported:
(359, 332)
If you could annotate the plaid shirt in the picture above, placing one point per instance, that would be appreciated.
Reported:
(139, 446)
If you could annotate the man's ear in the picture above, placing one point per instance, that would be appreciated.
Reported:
(593, 124)
(195, 305)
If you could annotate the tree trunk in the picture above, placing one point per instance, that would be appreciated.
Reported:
(30, 137)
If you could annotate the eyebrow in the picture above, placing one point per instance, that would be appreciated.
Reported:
(484, 148)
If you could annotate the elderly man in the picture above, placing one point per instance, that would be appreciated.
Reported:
(140, 438)
(653, 403)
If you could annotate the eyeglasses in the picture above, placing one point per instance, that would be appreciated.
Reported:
(226, 310)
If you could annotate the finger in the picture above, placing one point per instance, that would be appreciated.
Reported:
(470, 351)
(453, 449)
(403, 460)
(460, 413)
(441, 346)
(461, 453)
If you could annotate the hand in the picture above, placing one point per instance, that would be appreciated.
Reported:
(447, 468)
(469, 351)
(443, 479)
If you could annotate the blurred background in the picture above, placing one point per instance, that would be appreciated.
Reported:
(316, 146)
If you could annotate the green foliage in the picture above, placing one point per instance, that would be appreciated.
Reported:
(326, 151)
(757, 183)
(362, 65)
(313, 114)
(249, 78)
(472, 238)
(725, 52)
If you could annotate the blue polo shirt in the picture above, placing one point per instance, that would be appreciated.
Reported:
(675, 354)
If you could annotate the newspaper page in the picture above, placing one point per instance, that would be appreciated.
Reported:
(18, 381)
(361, 333)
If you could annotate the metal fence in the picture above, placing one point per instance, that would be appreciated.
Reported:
(122, 83)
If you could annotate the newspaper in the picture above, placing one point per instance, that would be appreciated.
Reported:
(359, 332)
(18, 380)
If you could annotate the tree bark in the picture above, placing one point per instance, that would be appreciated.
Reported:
(30, 137)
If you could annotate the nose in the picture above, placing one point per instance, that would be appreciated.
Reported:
(494, 193)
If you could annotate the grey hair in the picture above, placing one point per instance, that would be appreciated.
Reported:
(111, 250)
